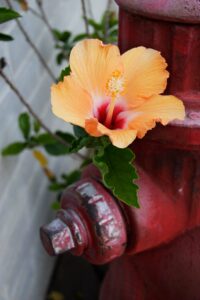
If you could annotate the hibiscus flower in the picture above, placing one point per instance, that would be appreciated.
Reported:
(115, 95)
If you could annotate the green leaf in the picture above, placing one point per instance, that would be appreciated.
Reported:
(45, 138)
(5, 37)
(24, 124)
(86, 162)
(73, 177)
(56, 149)
(7, 14)
(79, 131)
(56, 34)
(36, 126)
(80, 37)
(61, 36)
(118, 172)
(52, 146)
(56, 205)
(113, 33)
(94, 24)
(56, 186)
(14, 148)
(65, 35)
(68, 137)
(59, 58)
(64, 72)
(3, 63)
(85, 141)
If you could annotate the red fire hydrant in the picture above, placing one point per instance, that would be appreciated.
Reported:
(158, 245)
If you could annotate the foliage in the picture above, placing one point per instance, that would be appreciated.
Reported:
(118, 175)
(5, 16)
(105, 30)
(14, 148)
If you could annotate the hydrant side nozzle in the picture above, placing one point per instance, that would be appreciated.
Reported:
(56, 237)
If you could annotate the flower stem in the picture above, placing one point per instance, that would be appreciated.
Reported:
(29, 41)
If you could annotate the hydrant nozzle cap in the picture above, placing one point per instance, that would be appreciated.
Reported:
(56, 237)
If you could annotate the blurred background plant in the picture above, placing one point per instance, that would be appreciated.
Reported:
(36, 136)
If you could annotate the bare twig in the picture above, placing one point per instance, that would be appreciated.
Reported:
(44, 17)
(32, 112)
(90, 12)
(107, 18)
(85, 16)
(29, 41)
(35, 13)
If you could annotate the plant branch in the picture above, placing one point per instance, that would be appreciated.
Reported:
(85, 17)
(35, 13)
(29, 41)
(107, 17)
(32, 112)
(90, 9)
(44, 17)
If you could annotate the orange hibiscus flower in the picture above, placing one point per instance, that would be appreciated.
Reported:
(115, 95)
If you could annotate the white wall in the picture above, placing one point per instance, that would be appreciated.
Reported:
(24, 199)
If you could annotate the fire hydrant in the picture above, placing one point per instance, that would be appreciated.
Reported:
(157, 247)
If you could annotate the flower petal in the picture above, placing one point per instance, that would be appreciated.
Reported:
(145, 74)
(92, 64)
(157, 109)
(70, 102)
(120, 138)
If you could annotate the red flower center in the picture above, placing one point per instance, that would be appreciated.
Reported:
(117, 121)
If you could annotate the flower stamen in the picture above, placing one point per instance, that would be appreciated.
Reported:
(111, 107)
(115, 87)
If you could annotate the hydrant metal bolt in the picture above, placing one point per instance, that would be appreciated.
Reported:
(56, 237)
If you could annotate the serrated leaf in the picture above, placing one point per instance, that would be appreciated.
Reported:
(24, 124)
(5, 37)
(64, 72)
(14, 148)
(118, 172)
(7, 14)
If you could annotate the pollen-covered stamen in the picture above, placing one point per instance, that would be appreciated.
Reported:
(115, 88)
(115, 85)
